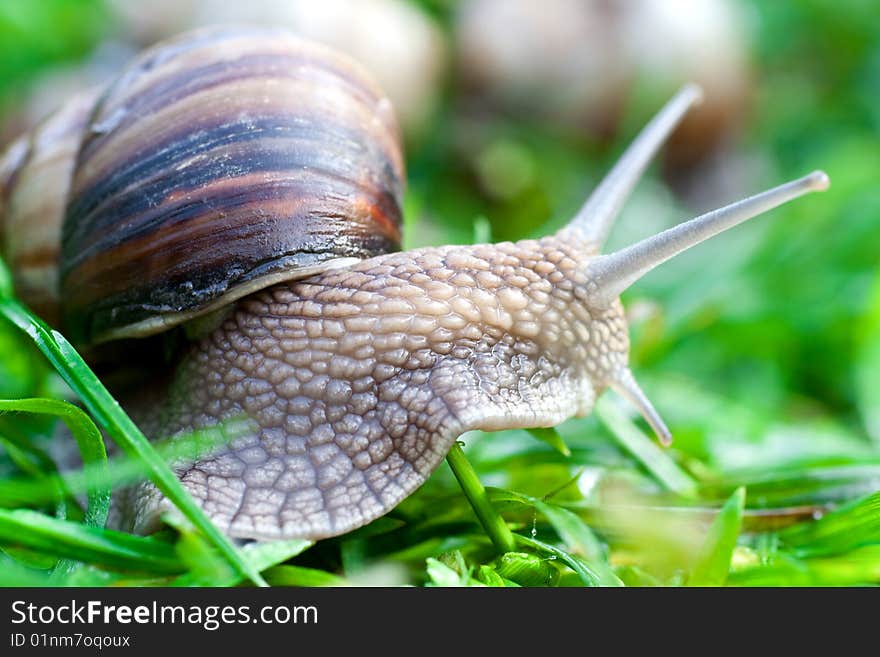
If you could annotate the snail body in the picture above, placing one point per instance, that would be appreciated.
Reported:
(360, 379)
(355, 366)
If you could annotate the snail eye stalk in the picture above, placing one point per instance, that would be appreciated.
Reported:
(595, 219)
(615, 272)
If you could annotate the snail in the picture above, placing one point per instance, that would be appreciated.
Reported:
(248, 184)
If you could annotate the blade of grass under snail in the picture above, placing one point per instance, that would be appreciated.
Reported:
(207, 568)
(42, 488)
(713, 561)
(550, 436)
(497, 530)
(644, 449)
(287, 575)
(73, 540)
(116, 422)
(92, 452)
(572, 530)
(35, 464)
(89, 441)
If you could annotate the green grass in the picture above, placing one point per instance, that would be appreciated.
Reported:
(761, 350)
(441, 535)
(109, 414)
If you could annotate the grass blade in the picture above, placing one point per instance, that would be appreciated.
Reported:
(655, 460)
(300, 576)
(92, 452)
(37, 464)
(574, 532)
(262, 555)
(851, 526)
(855, 568)
(867, 364)
(550, 436)
(100, 403)
(473, 489)
(122, 471)
(89, 441)
(14, 574)
(589, 576)
(72, 540)
(713, 561)
(265, 554)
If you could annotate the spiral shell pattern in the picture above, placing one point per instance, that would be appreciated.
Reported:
(219, 163)
(35, 176)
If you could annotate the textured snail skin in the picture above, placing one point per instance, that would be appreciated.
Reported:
(218, 163)
(358, 380)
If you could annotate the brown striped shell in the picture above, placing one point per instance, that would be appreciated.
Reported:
(218, 163)
(35, 175)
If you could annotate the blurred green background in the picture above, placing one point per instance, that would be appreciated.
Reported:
(761, 349)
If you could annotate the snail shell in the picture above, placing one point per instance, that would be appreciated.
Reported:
(31, 229)
(218, 163)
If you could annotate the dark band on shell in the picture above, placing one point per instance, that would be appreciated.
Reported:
(219, 164)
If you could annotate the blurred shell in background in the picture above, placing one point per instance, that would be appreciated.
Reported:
(578, 61)
(401, 45)
(674, 41)
(572, 65)
(557, 59)
(163, 19)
